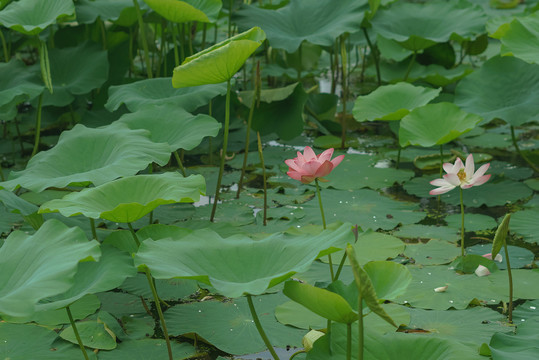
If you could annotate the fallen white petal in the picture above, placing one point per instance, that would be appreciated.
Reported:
(482, 271)
(441, 289)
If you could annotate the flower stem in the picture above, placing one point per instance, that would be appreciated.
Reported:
(260, 329)
(4, 47)
(92, 225)
(38, 126)
(412, 61)
(76, 332)
(223, 155)
(360, 327)
(324, 225)
(157, 302)
(510, 275)
(374, 52)
(462, 223)
(349, 341)
(261, 154)
(180, 164)
(513, 137)
(144, 40)
(135, 237)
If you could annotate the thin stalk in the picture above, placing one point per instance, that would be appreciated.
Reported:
(223, 155)
(135, 237)
(360, 340)
(513, 137)
(398, 158)
(324, 225)
(38, 126)
(92, 226)
(297, 353)
(182, 36)
(210, 148)
(341, 264)
(144, 40)
(180, 164)
(189, 37)
(103, 33)
(300, 65)
(18, 129)
(412, 61)
(2, 173)
(349, 341)
(4, 46)
(261, 154)
(175, 42)
(260, 329)
(374, 52)
(76, 332)
(441, 160)
(159, 312)
(204, 31)
(510, 275)
(462, 223)
(131, 59)
(230, 5)
(344, 84)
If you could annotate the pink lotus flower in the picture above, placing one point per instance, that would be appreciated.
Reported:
(308, 166)
(460, 175)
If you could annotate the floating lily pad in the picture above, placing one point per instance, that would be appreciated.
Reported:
(90, 155)
(510, 171)
(435, 252)
(518, 256)
(286, 30)
(505, 88)
(129, 198)
(359, 171)
(522, 345)
(30, 18)
(50, 258)
(172, 125)
(15, 343)
(417, 232)
(364, 207)
(148, 349)
(229, 325)
(472, 222)
(417, 27)
(258, 264)
(172, 289)
(435, 124)
(525, 224)
(434, 74)
(392, 102)
(527, 310)
(93, 335)
(472, 326)
(533, 184)
(159, 92)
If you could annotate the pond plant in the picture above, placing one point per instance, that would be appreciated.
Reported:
(122, 236)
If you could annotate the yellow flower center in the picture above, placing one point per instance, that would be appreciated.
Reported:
(462, 175)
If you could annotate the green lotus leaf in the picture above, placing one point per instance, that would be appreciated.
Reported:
(16, 204)
(522, 38)
(388, 278)
(147, 348)
(32, 17)
(325, 303)
(434, 74)
(392, 102)
(17, 84)
(435, 252)
(416, 26)
(89, 10)
(159, 92)
(49, 259)
(519, 257)
(129, 198)
(109, 272)
(187, 10)
(251, 266)
(435, 124)
(92, 334)
(283, 116)
(286, 29)
(219, 62)
(428, 232)
(228, 325)
(524, 223)
(75, 71)
(472, 222)
(519, 345)
(90, 155)
(170, 124)
(505, 88)
(15, 343)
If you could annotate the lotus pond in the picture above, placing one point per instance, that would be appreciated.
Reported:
(306, 179)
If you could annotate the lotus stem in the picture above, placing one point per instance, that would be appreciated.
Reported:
(204, 32)
(4, 46)
(144, 40)
(223, 155)
(180, 164)
(297, 353)
(76, 332)
(349, 341)
(344, 83)
(261, 154)
(260, 329)
(374, 51)
(2, 173)
(38, 126)
(441, 160)
(510, 275)
(398, 157)
(230, 5)
(175, 43)
(159, 312)
(513, 137)
(360, 339)
(324, 225)
(92, 226)
(135, 237)
(462, 223)
(412, 61)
